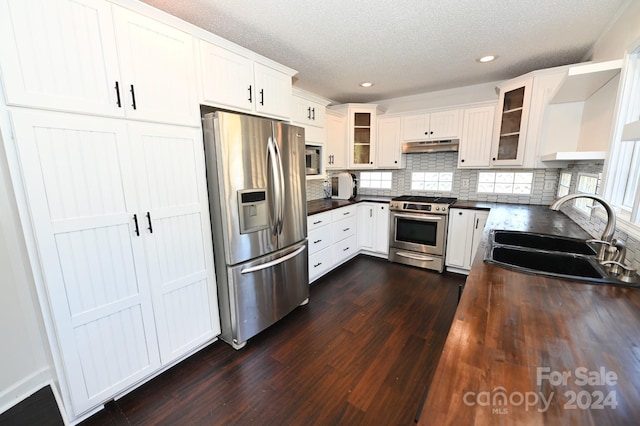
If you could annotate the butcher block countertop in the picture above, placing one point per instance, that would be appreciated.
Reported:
(326, 204)
(527, 349)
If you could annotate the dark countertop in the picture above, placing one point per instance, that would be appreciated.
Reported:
(324, 204)
(509, 324)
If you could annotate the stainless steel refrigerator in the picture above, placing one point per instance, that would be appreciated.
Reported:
(257, 196)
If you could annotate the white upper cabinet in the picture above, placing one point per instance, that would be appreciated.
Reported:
(158, 70)
(433, 126)
(59, 55)
(233, 81)
(475, 142)
(335, 153)
(90, 57)
(227, 78)
(511, 123)
(361, 125)
(309, 111)
(389, 143)
(273, 91)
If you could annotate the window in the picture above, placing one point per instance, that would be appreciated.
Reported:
(505, 182)
(381, 180)
(432, 181)
(564, 184)
(623, 167)
(587, 184)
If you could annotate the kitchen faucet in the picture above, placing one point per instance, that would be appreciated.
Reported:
(607, 234)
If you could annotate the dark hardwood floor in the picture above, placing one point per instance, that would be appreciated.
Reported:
(363, 351)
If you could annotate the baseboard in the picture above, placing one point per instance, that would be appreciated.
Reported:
(24, 388)
(457, 270)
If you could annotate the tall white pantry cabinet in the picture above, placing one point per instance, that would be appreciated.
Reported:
(118, 207)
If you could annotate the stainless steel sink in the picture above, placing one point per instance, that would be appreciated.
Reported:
(543, 242)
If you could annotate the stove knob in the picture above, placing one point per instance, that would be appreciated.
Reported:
(437, 208)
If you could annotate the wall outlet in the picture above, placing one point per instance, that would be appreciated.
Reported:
(465, 183)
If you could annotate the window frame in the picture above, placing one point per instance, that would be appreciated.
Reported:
(619, 166)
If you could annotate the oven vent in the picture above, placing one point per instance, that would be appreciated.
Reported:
(430, 146)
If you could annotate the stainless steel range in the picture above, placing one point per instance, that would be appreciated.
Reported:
(418, 230)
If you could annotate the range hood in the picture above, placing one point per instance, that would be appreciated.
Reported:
(430, 146)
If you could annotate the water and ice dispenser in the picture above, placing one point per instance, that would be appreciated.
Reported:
(252, 207)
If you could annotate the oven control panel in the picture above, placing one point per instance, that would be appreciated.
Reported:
(418, 207)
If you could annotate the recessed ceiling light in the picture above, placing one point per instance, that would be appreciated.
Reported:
(487, 58)
(366, 84)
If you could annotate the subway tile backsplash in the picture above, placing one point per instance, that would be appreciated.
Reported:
(465, 182)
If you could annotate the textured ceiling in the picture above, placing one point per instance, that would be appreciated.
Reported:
(405, 47)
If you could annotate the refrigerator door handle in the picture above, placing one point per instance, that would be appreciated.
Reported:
(272, 155)
(281, 191)
(273, 262)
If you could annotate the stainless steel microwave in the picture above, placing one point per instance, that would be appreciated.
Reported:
(313, 155)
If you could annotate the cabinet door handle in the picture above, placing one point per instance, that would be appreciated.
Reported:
(135, 221)
(261, 96)
(118, 95)
(345, 229)
(150, 228)
(462, 161)
(317, 264)
(345, 249)
(309, 113)
(313, 111)
(477, 222)
(317, 222)
(133, 97)
(317, 241)
(250, 95)
(370, 212)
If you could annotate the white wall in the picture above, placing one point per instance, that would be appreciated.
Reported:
(622, 33)
(444, 98)
(25, 364)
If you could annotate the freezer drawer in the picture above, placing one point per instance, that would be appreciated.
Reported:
(264, 290)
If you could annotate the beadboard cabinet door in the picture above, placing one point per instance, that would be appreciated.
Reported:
(59, 55)
(80, 187)
(176, 229)
(157, 63)
(121, 219)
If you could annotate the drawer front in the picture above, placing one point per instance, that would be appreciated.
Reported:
(319, 263)
(344, 228)
(319, 238)
(318, 220)
(343, 213)
(345, 249)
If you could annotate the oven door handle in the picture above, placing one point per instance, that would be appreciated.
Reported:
(415, 256)
(418, 216)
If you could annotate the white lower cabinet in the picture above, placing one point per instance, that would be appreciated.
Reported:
(332, 239)
(320, 251)
(119, 212)
(373, 227)
(464, 234)
(338, 235)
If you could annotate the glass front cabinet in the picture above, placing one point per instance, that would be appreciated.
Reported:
(511, 123)
(360, 134)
